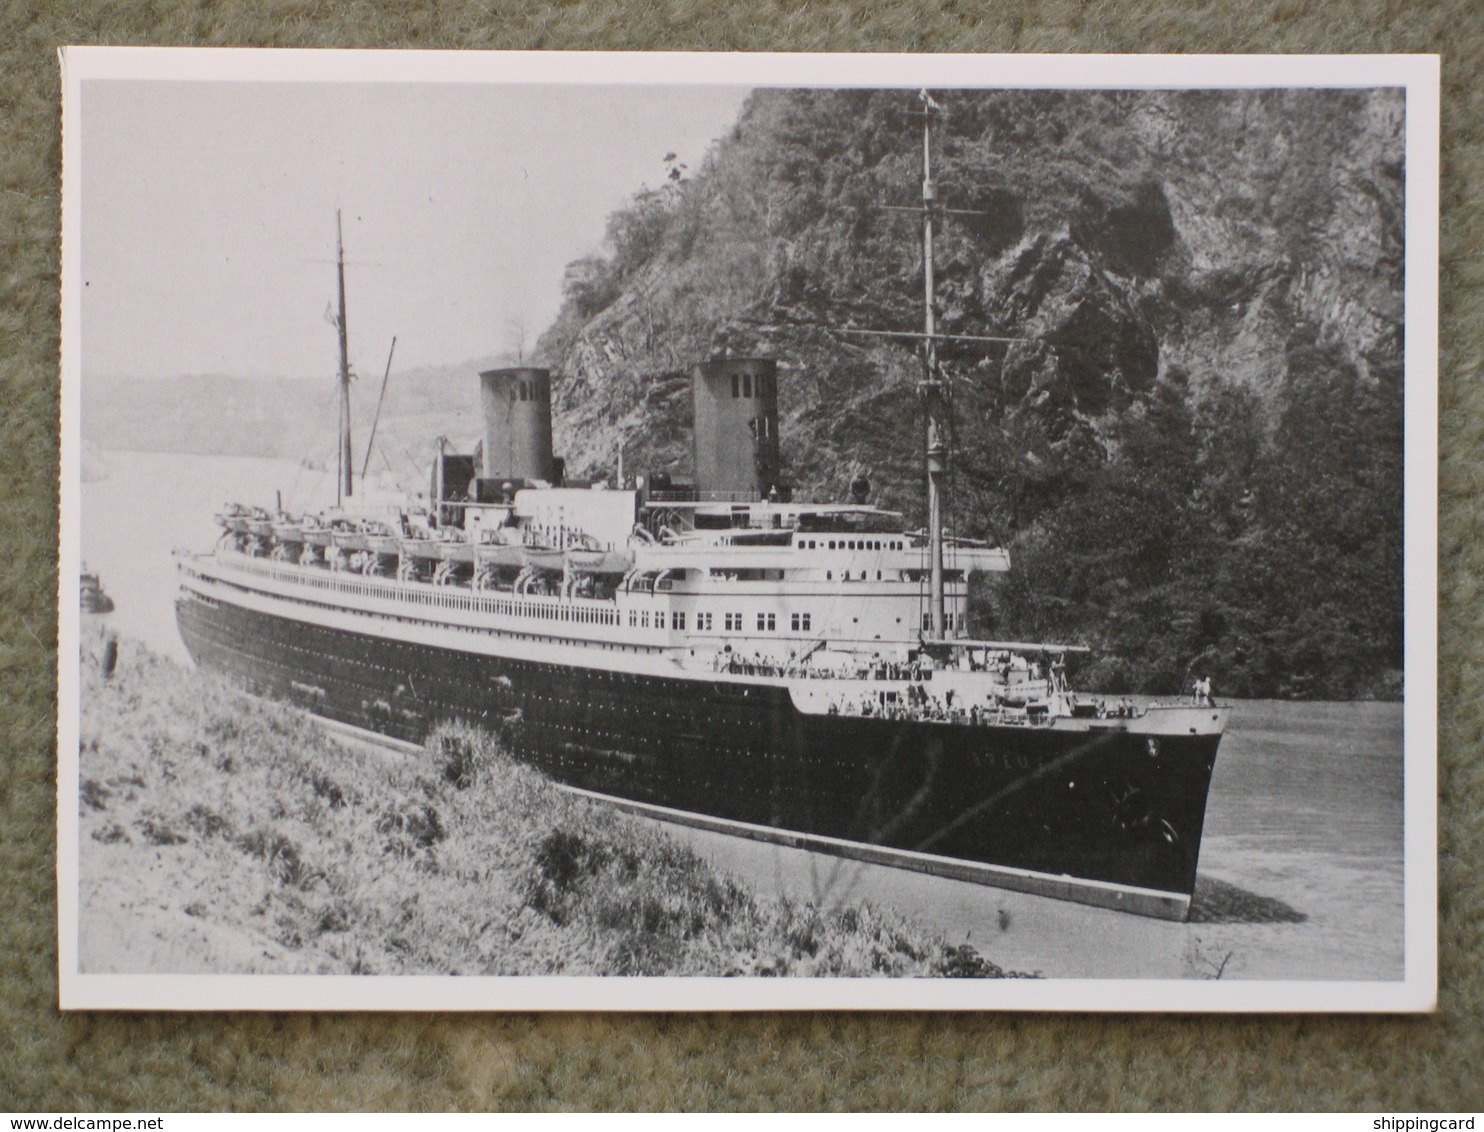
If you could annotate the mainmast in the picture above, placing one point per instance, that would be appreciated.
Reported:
(343, 464)
(935, 403)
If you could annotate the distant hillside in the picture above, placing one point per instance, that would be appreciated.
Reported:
(1194, 453)
(221, 415)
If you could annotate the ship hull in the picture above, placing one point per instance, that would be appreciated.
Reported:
(1094, 813)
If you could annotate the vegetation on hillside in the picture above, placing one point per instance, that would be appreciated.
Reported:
(1192, 447)
(229, 834)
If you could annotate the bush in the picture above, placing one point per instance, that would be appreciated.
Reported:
(411, 829)
(461, 753)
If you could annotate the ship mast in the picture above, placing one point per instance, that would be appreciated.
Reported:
(343, 462)
(931, 387)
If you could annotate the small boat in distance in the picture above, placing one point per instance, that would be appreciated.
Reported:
(94, 600)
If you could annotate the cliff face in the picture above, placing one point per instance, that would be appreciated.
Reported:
(1142, 249)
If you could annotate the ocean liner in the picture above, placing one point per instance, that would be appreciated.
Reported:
(719, 652)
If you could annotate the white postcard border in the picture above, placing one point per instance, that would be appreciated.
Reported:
(1417, 991)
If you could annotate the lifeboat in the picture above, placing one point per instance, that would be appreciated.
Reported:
(421, 547)
(545, 558)
(259, 523)
(316, 531)
(381, 539)
(233, 517)
(288, 530)
(348, 536)
(601, 561)
(458, 551)
(496, 555)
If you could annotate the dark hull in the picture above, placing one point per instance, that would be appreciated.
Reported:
(1100, 806)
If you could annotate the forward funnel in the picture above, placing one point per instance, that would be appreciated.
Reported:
(517, 423)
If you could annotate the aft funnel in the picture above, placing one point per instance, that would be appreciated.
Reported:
(736, 430)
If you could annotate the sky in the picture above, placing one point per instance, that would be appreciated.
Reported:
(208, 214)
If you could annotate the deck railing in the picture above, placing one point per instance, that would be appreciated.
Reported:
(581, 611)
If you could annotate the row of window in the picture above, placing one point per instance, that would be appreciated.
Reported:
(853, 544)
(952, 621)
(640, 619)
(742, 385)
(731, 622)
(766, 622)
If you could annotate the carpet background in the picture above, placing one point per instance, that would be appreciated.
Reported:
(57, 1063)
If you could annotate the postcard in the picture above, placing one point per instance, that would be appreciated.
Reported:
(751, 532)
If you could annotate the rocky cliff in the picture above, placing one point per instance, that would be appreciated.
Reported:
(1177, 273)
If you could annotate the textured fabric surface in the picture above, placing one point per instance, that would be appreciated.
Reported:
(57, 1063)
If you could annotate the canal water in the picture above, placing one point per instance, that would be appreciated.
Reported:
(1301, 865)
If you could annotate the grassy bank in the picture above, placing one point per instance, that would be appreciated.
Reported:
(224, 833)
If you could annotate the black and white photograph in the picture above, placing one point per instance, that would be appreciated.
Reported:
(747, 532)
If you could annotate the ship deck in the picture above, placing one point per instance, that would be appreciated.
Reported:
(587, 632)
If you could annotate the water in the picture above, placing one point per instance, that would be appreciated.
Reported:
(1300, 870)
(1301, 865)
(147, 504)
